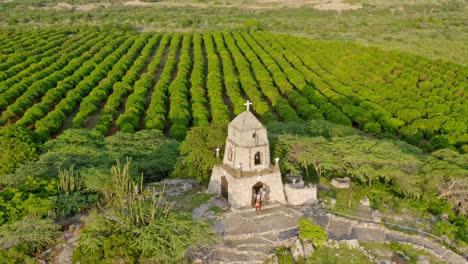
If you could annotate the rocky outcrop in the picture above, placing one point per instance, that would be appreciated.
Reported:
(173, 187)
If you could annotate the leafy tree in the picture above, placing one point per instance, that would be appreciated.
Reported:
(151, 153)
(198, 151)
(30, 199)
(372, 128)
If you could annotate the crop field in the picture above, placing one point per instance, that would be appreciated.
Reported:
(55, 79)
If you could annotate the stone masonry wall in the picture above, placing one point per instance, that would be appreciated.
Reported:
(240, 189)
(298, 196)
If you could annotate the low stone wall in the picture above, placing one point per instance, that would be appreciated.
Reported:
(341, 228)
(298, 196)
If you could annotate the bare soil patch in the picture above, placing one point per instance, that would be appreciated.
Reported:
(82, 7)
(337, 5)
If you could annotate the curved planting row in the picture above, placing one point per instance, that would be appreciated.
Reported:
(70, 63)
(157, 110)
(231, 81)
(219, 110)
(248, 84)
(42, 64)
(136, 103)
(179, 111)
(20, 46)
(55, 119)
(384, 93)
(52, 65)
(55, 94)
(382, 85)
(198, 99)
(438, 108)
(46, 49)
(282, 107)
(327, 109)
(285, 77)
(90, 103)
(120, 81)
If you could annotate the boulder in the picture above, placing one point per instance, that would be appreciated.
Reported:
(200, 211)
(384, 261)
(365, 201)
(341, 183)
(352, 243)
(308, 249)
(297, 250)
(174, 187)
(423, 260)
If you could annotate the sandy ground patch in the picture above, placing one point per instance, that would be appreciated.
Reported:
(337, 5)
(83, 7)
(171, 4)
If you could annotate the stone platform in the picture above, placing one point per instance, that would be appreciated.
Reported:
(248, 236)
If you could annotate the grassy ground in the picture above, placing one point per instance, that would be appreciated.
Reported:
(340, 253)
(431, 28)
(398, 250)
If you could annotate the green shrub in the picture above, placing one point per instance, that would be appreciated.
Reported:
(33, 232)
(310, 232)
(372, 128)
(16, 254)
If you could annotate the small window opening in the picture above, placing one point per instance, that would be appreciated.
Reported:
(254, 134)
(230, 154)
(257, 158)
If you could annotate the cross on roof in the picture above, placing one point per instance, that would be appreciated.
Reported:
(248, 104)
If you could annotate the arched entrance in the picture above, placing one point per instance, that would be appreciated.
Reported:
(258, 187)
(224, 188)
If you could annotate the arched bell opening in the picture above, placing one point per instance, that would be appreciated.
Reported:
(258, 158)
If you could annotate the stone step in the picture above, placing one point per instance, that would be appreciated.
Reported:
(251, 251)
(266, 250)
(259, 240)
(275, 232)
(229, 256)
(252, 209)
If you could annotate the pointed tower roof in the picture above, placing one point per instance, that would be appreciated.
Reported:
(246, 121)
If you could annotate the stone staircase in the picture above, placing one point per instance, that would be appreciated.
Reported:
(251, 237)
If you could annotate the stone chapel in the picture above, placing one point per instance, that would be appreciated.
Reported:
(246, 165)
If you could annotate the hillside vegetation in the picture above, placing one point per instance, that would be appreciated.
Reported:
(55, 79)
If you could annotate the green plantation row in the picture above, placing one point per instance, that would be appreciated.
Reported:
(55, 79)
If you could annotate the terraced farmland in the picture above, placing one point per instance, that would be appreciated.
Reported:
(52, 80)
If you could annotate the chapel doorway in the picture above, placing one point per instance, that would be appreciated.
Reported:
(224, 188)
(258, 188)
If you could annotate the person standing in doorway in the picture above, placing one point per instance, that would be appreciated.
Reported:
(258, 200)
(264, 196)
